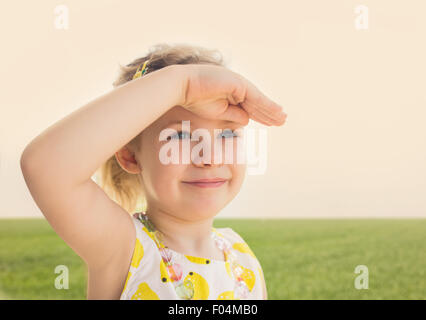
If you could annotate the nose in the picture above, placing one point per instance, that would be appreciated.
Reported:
(203, 153)
(205, 160)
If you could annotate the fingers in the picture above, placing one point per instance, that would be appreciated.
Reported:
(258, 116)
(269, 108)
(256, 100)
(262, 117)
(276, 117)
(239, 93)
(236, 114)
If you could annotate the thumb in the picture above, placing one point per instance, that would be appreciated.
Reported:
(236, 114)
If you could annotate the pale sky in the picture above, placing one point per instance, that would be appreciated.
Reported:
(354, 144)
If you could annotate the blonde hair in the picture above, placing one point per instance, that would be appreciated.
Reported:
(122, 187)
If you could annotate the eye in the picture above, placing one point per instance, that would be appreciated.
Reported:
(228, 134)
(180, 135)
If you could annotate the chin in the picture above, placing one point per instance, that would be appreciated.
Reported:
(203, 209)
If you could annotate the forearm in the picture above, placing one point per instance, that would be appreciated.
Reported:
(76, 146)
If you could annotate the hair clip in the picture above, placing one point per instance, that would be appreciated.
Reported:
(140, 73)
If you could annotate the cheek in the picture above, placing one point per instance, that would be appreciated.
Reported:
(238, 174)
(160, 181)
(165, 179)
(168, 175)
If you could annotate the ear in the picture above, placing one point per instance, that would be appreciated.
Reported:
(126, 158)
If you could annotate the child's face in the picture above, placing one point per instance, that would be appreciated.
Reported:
(164, 184)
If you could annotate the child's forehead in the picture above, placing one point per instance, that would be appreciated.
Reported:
(177, 115)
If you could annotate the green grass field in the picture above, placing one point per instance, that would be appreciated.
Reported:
(301, 259)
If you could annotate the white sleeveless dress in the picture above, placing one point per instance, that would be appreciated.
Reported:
(148, 279)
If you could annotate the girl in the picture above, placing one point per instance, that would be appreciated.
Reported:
(169, 250)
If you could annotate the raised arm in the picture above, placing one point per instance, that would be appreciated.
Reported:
(58, 164)
(75, 147)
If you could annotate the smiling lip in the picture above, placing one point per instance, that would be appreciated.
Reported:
(207, 183)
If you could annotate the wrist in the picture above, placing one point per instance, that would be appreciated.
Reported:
(180, 75)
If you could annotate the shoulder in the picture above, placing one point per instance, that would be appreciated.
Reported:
(230, 234)
(237, 241)
(247, 258)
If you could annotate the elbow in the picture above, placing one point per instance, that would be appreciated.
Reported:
(26, 161)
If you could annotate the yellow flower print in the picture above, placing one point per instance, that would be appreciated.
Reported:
(227, 295)
(144, 292)
(138, 254)
(201, 287)
(228, 268)
(198, 260)
(248, 277)
(148, 233)
(217, 232)
(163, 272)
(243, 247)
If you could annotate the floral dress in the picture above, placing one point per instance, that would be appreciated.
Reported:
(211, 279)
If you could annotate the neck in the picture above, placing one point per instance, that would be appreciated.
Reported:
(185, 236)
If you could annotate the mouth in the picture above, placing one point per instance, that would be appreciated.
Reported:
(206, 183)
